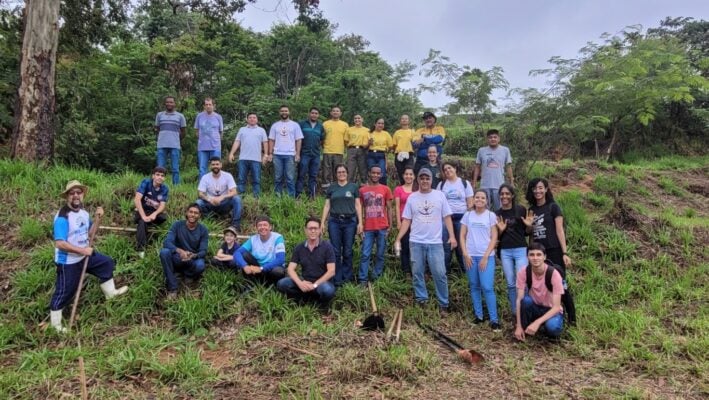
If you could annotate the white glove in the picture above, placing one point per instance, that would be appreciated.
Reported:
(403, 155)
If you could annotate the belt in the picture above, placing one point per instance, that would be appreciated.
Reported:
(377, 151)
(342, 216)
(357, 147)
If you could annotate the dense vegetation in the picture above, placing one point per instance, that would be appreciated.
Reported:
(635, 94)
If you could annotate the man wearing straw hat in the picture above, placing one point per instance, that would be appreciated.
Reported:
(72, 229)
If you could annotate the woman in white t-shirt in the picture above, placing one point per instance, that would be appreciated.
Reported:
(459, 194)
(478, 238)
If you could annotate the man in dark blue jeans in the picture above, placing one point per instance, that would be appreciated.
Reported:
(309, 166)
(218, 194)
(317, 259)
(184, 249)
(539, 309)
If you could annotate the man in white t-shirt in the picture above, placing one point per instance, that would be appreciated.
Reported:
(253, 142)
(284, 141)
(217, 193)
(425, 213)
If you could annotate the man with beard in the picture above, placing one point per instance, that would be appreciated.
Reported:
(426, 212)
(217, 193)
(170, 127)
(72, 229)
(284, 141)
(184, 249)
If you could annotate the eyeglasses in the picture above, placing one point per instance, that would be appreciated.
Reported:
(75, 192)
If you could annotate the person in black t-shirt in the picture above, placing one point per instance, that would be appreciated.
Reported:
(225, 255)
(317, 260)
(512, 233)
(547, 228)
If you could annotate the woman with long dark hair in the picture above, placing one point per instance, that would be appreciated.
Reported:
(401, 194)
(343, 214)
(546, 224)
(380, 143)
(512, 234)
(459, 194)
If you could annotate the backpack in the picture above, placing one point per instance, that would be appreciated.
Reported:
(443, 182)
(547, 275)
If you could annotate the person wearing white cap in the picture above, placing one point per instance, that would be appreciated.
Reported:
(72, 229)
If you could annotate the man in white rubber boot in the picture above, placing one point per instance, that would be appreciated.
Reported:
(72, 229)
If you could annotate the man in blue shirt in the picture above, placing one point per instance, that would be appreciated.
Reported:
(72, 229)
(313, 136)
(184, 249)
(262, 256)
(150, 200)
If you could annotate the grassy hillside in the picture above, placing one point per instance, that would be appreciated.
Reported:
(638, 235)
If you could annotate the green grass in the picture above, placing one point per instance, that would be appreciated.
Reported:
(642, 314)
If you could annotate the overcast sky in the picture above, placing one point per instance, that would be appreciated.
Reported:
(517, 35)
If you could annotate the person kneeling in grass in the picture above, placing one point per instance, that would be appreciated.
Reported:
(184, 249)
(72, 229)
(539, 310)
(317, 259)
(263, 255)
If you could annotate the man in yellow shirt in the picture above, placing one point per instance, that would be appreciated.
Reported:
(403, 149)
(430, 134)
(357, 140)
(380, 144)
(334, 145)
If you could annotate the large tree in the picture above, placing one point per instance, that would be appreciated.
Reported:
(33, 135)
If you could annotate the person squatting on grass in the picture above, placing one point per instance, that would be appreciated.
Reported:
(539, 306)
(478, 238)
(376, 203)
(547, 228)
(184, 249)
(262, 256)
(493, 164)
(225, 255)
(217, 193)
(512, 247)
(72, 229)
(342, 214)
(426, 213)
(401, 195)
(252, 143)
(459, 194)
(150, 200)
(316, 257)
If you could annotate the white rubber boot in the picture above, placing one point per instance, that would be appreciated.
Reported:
(109, 289)
(55, 318)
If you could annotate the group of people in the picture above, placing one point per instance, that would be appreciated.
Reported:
(436, 212)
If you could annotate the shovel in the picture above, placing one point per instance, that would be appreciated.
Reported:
(373, 322)
(469, 356)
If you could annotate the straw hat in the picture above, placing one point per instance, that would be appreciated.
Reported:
(72, 184)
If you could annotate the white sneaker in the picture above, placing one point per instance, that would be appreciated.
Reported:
(141, 254)
(109, 289)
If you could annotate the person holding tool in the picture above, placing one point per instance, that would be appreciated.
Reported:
(74, 255)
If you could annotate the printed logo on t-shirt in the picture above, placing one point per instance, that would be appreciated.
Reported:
(348, 194)
(539, 230)
(374, 204)
(426, 212)
(491, 162)
(284, 131)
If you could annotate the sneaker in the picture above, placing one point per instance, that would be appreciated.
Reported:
(141, 255)
(363, 285)
(495, 326)
(171, 296)
(420, 303)
(478, 321)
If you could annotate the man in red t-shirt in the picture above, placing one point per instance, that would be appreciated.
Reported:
(376, 202)
(540, 307)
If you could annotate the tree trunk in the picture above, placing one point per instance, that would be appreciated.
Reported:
(33, 135)
(614, 137)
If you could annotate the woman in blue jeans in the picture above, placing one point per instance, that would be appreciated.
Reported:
(478, 237)
(343, 214)
(513, 245)
(459, 194)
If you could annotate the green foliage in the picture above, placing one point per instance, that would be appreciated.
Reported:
(32, 231)
(611, 184)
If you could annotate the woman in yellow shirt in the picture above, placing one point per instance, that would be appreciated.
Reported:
(403, 150)
(357, 140)
(379, 144)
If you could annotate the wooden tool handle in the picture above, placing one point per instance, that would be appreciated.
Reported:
(371, 297)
